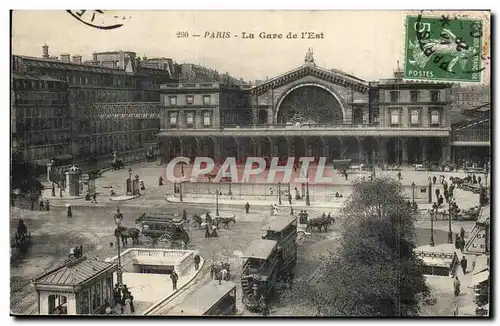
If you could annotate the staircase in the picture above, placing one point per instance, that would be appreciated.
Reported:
(476, 244)
(246, 288)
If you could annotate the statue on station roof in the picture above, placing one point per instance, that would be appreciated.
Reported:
(309, 59)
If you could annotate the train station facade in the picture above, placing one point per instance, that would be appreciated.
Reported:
(309, 111)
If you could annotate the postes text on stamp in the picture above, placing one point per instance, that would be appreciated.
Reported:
(443, 48)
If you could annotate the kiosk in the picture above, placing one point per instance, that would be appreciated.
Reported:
(79, 287)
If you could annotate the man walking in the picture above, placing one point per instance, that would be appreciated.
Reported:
(247, 208)
(462, 233)
(456, 286)
(463, 263)
(174, 277)
(196, 262)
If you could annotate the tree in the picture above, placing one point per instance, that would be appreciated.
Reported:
(23, 177)
(374, 271)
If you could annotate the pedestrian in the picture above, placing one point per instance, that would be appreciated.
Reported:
(207, 232)
(60, 192)
(174, 277)
(212, 271)
(445, 186)
(462, 233)
(291, 210)
(463, 264)
(41, 205)
(196, 262)
(53, 190)
(69, 212)
(479, 179)
(456, 286)
(117, 295)
(214, 232)
(223, 275)
(184, 214)
(247, 208)
(462, 244)
(399, 176)
(345, 174)
(290, 198)
(454, 265)
(126, 305)
(457, 241)
(47, 205)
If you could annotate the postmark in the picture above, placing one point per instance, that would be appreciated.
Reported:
(443, 48)
(98, 18)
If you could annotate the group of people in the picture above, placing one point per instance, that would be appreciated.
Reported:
(44, 206)
(123, 302)
(210, 227)
(460, 240)
(274, 209)
(221, 273)
(76, 252)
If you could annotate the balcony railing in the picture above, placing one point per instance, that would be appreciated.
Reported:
(302, 126)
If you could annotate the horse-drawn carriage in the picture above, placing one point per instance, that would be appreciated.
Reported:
(166, 230)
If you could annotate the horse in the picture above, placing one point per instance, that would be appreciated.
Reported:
(224, 221)
(320, 222)
(126, 233)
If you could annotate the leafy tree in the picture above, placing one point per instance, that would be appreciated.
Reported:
(374, 271)
(23, 177)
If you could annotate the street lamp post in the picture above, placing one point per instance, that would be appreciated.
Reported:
(450, 233)
(217, 200)
(430, 191)
(180, 191)
(308, 202)
(279, 193)
(431, 243)
(129, 182)
(118, 217)
(413, 192)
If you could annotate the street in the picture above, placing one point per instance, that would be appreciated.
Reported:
(92, 226)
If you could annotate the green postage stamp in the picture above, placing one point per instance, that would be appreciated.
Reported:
(443, 48)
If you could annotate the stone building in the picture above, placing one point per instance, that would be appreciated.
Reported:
(309, 111)
(107, 104)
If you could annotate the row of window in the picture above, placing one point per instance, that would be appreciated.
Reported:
(39, 85)
(42, 96)
(34, 124)
(42, 112)
(47, 151)
(189, 100)
(434, 115)
(42, 138)
(207, 119)
(113, 125)
(98, 95)
(414, 96)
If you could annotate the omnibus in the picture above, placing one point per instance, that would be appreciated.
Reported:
(212, 299)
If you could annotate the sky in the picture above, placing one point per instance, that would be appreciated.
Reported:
(367, 44)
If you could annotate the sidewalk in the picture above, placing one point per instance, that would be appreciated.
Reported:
(201, 199)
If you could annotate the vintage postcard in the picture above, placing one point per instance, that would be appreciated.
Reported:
(246, 163)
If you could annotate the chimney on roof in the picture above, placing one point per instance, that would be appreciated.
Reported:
(65, 57)
(77, 59)
(45, 51)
